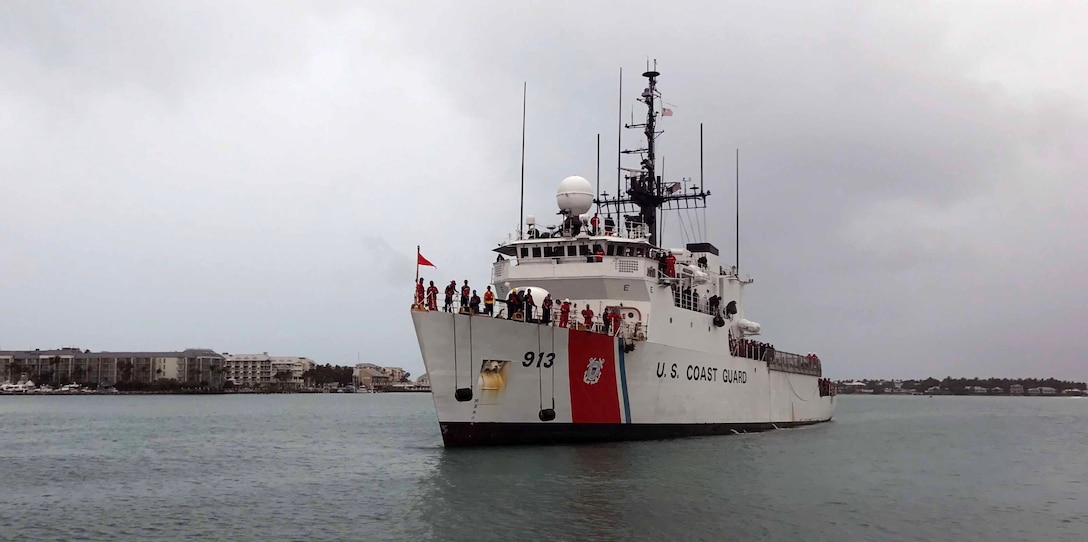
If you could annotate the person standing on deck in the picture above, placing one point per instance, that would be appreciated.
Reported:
(474, 303)
(564, 313)
(670, 265)
(606, 321)
(587, 315)
(450, 290)
(616, 318)
(519, 303)
(546, 307)
(465, 291)
(489, 302)
(530, 305)
(511, 305)
(432, 297)
(419, 293)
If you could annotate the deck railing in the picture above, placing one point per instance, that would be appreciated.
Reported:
(793, 363)
(633, 331)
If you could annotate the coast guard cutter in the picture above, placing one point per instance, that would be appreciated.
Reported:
(683, 360)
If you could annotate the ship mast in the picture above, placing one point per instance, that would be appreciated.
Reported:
(646, 190)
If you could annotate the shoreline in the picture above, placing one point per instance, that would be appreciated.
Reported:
(204, 392)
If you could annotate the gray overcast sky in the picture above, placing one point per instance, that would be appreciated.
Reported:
(254, 176)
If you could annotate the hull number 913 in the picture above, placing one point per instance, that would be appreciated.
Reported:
(542, 359)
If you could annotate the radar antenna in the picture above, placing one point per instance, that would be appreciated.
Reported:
(646, 190)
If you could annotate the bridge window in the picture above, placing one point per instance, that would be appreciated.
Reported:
(536, 252)
(572, 250)
(524, 252)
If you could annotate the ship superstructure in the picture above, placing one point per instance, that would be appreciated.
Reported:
(667, 351)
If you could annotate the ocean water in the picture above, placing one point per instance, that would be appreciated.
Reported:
(372, 467)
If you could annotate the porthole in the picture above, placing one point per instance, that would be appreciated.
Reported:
(670, 319)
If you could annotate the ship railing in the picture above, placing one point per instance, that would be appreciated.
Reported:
(632, 331)
(630, 229)
(793, 363)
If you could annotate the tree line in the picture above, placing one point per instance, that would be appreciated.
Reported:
(960, 385)
(329, 374)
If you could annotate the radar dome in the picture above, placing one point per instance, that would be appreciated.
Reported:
(574, 196)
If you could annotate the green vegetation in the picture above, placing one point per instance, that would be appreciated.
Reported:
(962, 386)
(328, 374)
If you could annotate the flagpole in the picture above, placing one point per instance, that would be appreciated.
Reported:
(417, 263)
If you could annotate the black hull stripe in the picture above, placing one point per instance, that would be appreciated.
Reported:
(456, 434)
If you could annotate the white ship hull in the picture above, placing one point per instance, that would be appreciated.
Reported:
(532, 383)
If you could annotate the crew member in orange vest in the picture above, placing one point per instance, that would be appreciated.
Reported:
(616, 318)
(594, 223)
(465, 293)
(419, 292)
(587, 315)
(489, 302)
(564, 313)
(670, 265)
(599, 254)
(432, 297)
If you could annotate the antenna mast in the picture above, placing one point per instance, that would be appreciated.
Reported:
(645, 190)
(521, 219)
(619, 149)
(598, 166)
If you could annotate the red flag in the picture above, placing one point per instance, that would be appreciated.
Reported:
(420, 260)
(666, 112)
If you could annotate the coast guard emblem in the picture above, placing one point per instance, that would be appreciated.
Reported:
(593, 371)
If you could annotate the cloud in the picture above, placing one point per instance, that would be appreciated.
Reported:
(254, 177)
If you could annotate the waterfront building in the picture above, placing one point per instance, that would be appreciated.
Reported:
(256, 370)
(291, 369)
(372, 376)
(193, 367)
(396, 374)
(1016, 389)
(248, 370)
(1043, 390)
(424, 380)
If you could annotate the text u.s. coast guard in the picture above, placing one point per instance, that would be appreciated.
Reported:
(702, 373)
